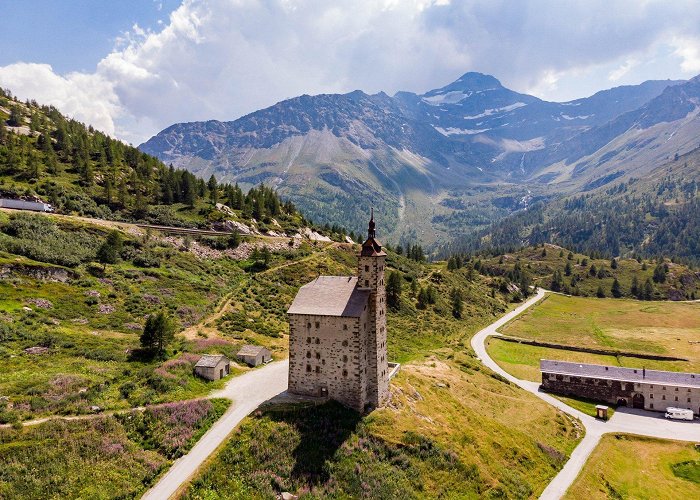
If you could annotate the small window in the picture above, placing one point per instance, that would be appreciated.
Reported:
(345, 327)
(663, 397)
(345, 359)
(308, 368)
(688, 400)
(308, 325)
(318, 355)
(345, 373)
(366, 283)
(345, 343)
(651, 405)
(318, 324)
(676, 389)
(308, 340)
(676, 398)
(318, 369)
(366, 268)
(651, 396)
(323, 361)
(318, 341)
(308, 354)
(663, 388)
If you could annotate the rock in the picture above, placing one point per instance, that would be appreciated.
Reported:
(95, 409)
(225, 209)
(106, 309)
(37, 350)
(93, 293)
(440, 384)
(348, 239)
(27, 309)
(233, 226)
(285, 495)
(313, 235)
(41, 303)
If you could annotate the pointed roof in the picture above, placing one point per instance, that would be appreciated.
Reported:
(371, 247)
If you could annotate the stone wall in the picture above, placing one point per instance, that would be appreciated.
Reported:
(329, 353)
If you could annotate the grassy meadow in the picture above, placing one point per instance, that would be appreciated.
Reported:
(629, 326)
(624, 466)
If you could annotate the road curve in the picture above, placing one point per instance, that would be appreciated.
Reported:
(247, 391)
(624, 420)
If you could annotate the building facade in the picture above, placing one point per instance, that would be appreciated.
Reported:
(337, 334)
(653, 390)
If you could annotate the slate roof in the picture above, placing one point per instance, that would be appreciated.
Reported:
(620, 373)
(331, 296)
(250, 350)
(210, 360)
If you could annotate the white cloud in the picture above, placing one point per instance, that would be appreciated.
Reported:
(688, 49)
(85, 97)
(623, 70)
(219, 59)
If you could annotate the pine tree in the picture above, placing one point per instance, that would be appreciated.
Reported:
(634, 289)
(393, 290)
(213, 190)
(457, 306)
(615, 290)
(648, 290)
(108, 253)
(600, 293)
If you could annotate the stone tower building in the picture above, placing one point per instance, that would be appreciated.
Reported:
(337, 334)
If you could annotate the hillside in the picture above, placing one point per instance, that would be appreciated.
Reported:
(651, 216)
(81, 171)
(442, 163)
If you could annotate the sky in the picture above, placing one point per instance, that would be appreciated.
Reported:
(133, 67)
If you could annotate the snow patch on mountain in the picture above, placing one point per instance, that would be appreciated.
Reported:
(493, 111)
(452, 97)
(460, 131)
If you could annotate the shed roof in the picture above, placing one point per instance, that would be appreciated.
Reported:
(331, 296)
(210, 360)
(620, 373)
(251, 350)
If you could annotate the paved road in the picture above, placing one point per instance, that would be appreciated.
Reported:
(640, 422)
(247, 391)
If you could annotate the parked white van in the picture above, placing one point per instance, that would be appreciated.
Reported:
(679, 414)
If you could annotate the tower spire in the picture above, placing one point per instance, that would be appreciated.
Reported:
(370, 229)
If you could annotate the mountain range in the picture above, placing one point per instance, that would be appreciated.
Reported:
(445, 163)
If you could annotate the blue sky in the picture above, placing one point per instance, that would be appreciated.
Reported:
(72, 35)
(134, 67)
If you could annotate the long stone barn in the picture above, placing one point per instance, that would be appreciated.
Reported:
(653, 390)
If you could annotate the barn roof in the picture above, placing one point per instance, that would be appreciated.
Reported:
(210, 360)
(620, 373)
(331, 296)
(251, 350)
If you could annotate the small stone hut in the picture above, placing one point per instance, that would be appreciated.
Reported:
(254, 355)
(212, 366)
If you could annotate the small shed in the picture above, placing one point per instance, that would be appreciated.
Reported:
(212, 366)
(601, 412)
(254, 355)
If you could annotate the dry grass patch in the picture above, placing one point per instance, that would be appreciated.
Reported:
(624, 466)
